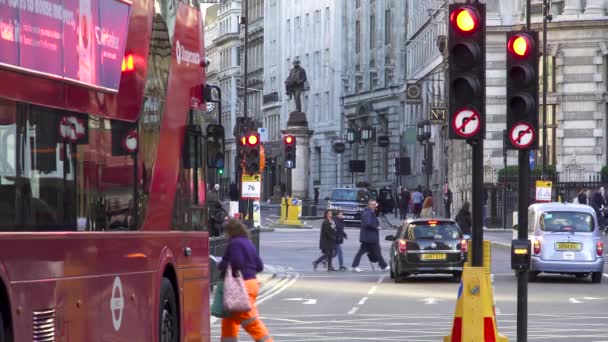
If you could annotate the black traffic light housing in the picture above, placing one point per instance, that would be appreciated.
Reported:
(289, 151)
(520, 255)
(251, 151)
(467, 70)
(522, 90)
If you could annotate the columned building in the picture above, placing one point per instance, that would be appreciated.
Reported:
(255, 58)
(308, 31)
(426, 67)
(373, 78)
(223, 44)
(577, 87)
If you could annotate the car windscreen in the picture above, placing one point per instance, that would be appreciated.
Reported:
(566, 221)
(349, 195)
(433, 231)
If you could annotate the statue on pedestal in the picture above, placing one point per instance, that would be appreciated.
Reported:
(296, 83)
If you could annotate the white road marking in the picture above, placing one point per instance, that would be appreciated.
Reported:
(381, 279)
(363, 300)
(372, 290)
(574, 301)
(306, 301)
(279, 290)
(606, 275)
(353, 310)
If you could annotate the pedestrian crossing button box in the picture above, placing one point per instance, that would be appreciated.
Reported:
(520, 255)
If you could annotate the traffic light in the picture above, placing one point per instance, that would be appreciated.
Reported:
(289, 149)
(466, 70)
(220, 172)
(522, 90)
(251, 144)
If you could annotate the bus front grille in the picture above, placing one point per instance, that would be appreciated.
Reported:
(43, 326)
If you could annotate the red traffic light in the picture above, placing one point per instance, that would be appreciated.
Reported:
(289, 139)
(520, 45)
(243, 141)
(252, 140)
(465, 19)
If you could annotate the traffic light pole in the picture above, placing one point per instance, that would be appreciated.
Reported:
(477, 199)
(522, 234)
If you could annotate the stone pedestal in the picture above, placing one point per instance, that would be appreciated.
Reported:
(297, 125)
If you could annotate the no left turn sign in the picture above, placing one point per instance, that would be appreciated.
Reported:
(522, 135)
(466, 123)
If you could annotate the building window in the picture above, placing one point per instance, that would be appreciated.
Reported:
(327, 19)
(606, 72)
(373, 76)
(550, 74)
(551, 135)
(357, 36)
(359, 84)
(317, 180)
(358, 4)
(387, 27)
(372, 32)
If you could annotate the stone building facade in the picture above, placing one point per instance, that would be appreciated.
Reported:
(308, 31)
(577, 87)
(222, 46)
(372, 87)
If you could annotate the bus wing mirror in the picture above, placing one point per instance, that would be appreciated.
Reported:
(215, 147)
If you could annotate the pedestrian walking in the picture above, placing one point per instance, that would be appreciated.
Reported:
(340, 237)
(447, 200)
(427, 207)
(463, 218)
(242, 255)
(327, 241)
(417, 199)
(369, 237)
(404, 202)
(217, 216)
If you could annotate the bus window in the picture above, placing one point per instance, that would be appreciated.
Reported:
(57, 172)
(8, 163)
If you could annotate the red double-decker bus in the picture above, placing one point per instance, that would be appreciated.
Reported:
(102, 227)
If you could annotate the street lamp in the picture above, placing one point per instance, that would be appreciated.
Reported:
(350, 136)
(366, 134)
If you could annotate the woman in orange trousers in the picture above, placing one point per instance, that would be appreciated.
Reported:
(242, 255)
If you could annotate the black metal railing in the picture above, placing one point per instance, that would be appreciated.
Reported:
(502, 196)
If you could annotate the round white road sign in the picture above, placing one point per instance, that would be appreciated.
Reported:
(522, 135)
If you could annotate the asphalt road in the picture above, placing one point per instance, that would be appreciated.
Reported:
(307, 305)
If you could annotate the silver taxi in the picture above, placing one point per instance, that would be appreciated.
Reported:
(565, 240)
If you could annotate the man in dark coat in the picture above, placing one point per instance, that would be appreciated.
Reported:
(404, 202)
(447, 200)
(369, 237)
(464, 219)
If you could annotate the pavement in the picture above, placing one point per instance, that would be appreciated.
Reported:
(300, 304)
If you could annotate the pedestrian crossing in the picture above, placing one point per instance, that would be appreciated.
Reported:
(423, 328)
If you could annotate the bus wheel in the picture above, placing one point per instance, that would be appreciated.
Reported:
(168, 315)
